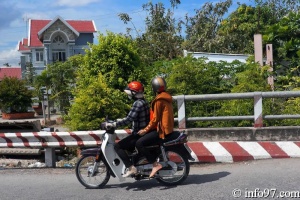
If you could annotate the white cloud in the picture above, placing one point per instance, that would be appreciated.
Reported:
(12, 57)
(72, 3)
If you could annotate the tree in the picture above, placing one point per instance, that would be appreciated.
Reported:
(105, 71)
(201, 29)
(7, 65)
(116, 57)
(210, 31)
(60, 78)
(284, 36)
(162, 38)
(93, 103)
(29, 73)
(14, 95)
(252, 79)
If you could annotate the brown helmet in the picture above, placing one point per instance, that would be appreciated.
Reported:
(158, 85)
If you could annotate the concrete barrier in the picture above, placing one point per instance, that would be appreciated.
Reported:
(228, 151)
(278, 133)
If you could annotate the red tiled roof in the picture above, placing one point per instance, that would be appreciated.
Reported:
(82, 26)
(35, 27)
(10, 72)
(23, 46)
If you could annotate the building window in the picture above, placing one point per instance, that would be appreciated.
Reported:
(58, 39)
(59, 56)
(39, 56)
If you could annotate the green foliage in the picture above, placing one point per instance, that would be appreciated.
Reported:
(191, 76)
(162, 38)
(116, 57)
(252, 79)
(29, 73)
(292, 107)
(14, 95)
(62, 75)
(93, 103)
(285, 39)
(101, 78)
(201, 29)
(60, 78)
(42, 80)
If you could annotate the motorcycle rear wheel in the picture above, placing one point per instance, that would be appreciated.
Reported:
(183, 169)
(84, 168)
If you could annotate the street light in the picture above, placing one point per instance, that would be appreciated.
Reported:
(44, 92)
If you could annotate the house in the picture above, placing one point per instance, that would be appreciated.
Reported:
(10, 72)
(216, 57)
(54, 40)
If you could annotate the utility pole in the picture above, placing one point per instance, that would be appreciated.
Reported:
(48, 105)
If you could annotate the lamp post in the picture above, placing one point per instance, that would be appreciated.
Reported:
(45, 103)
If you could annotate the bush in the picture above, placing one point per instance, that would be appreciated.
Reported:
(14, 95)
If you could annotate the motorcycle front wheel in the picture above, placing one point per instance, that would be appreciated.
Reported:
(181, 169)
(92, 174)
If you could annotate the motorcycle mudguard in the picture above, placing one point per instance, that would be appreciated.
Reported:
(182, 149)
(93, 152)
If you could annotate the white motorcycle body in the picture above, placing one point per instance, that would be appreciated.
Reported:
(114, 161)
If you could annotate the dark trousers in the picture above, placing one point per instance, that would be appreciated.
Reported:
(128, 144)
(147, 140)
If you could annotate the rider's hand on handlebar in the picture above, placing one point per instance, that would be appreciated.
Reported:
(118, 120)
(110, 125)
(142, 132)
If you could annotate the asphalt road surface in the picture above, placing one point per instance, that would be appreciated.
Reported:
(259, 179)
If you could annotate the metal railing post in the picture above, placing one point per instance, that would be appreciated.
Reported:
(181, 112)
(258, 118)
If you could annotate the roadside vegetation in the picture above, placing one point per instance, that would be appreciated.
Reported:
(89, 87)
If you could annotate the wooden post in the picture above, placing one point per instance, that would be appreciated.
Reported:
(269, 62)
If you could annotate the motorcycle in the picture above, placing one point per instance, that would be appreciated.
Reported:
(97, 165)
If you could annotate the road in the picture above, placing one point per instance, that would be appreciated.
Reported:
(260, 178)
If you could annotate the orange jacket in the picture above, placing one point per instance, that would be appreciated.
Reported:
(163, 116)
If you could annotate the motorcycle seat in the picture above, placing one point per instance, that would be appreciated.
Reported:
(175, 138)
(182, 138)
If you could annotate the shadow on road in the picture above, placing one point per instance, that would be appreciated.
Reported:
(204, 178)
(191, 179)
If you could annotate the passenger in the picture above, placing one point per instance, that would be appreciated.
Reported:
(162, 122)
(139, 116)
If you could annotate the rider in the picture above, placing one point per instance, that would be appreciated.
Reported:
(162, 120)
(139, 116)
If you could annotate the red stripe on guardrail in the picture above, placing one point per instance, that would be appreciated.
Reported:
(236, 151)
(8, 141)
(24, 140)
(203, 154)
(59, 139)
(274, 150)
(41, 139)
(96, 138)
(297, 143)
(77, 138)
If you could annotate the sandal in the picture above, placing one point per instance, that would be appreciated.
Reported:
(156, 167)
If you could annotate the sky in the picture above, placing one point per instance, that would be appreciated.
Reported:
(15, 15)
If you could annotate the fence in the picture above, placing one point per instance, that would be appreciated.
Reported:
(257, 116)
